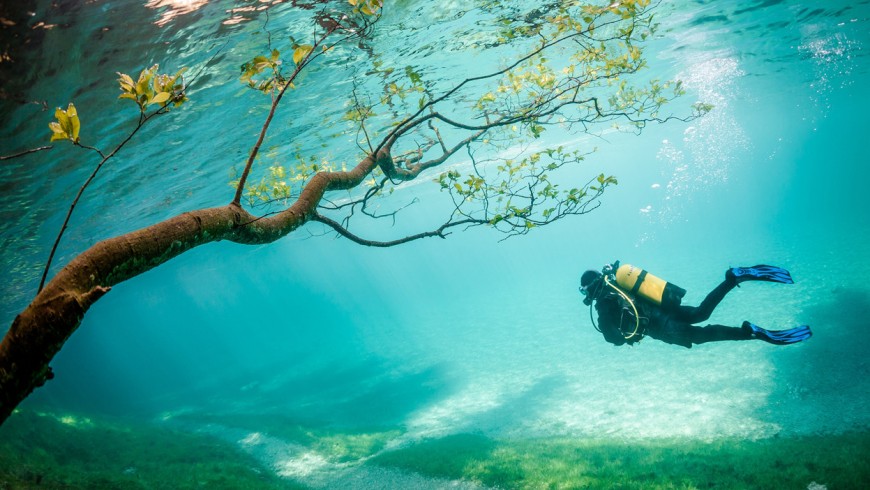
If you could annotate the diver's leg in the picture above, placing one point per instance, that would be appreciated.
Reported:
(672, 332)
(715, 333)
(695, 314)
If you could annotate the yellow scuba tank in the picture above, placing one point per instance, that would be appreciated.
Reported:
(641, 283)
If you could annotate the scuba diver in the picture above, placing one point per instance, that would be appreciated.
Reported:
(632, 304)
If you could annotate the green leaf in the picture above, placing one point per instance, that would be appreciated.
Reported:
(172, 81)
(413, 75)
(152, 88)
(301, 52)
(260, 62)
(143, 86)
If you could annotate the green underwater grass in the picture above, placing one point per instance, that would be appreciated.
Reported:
(831, 461)
(40, 450)
(337, 444)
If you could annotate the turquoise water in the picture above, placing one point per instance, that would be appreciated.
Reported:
(473, 334)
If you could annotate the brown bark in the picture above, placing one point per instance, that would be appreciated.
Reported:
(38, 332)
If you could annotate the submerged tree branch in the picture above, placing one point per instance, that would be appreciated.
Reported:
(240, 188)
(39, 331)
(312, 54)
(25, 152)
(518, 196)
(418, 117)
(81, 191)
(439, 232)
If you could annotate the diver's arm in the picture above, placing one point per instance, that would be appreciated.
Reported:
(609, 318)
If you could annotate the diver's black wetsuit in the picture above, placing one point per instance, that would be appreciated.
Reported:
(675, 326)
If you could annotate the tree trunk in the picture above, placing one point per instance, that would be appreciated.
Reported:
(38, 332)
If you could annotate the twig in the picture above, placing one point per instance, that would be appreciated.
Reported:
(142, 121)
(439, 232)
(25, 152)
(287, 83)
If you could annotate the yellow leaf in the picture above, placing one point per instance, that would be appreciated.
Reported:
(57, 132)
(59, 136)
(301, 52)
(62, 118)
(160, 98)
(126, 82)
(75, 125)
(143, 86)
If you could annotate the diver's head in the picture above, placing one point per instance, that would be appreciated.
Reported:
(590, 284)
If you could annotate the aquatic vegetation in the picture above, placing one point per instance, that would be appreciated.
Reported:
(465, 364)
(48, 450)
(74, 451)
(336, 444)
(835, 460)
(352, 447)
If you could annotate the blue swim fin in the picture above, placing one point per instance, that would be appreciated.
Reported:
(778, 337)
(760, 272)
